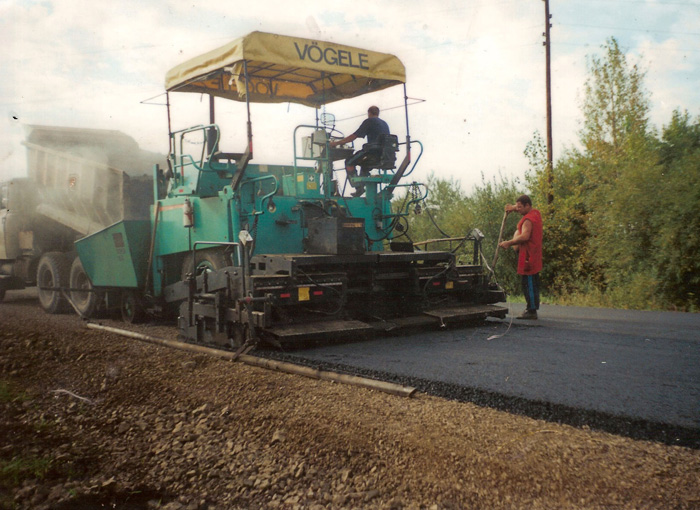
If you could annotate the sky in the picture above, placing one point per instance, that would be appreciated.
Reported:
(475, 70)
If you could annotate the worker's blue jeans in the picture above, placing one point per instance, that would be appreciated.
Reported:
(531, 289)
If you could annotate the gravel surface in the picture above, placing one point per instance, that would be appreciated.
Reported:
(93, 420)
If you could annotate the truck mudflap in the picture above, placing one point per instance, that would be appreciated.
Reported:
(9, 282)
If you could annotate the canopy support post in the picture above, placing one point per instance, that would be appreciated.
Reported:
(248, 155)
(211, 135)
(406, 160)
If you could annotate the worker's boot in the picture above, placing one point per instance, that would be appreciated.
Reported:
(352, 175)
(359, 190)
(528, 315)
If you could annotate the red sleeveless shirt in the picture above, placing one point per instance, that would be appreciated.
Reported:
(530, 252)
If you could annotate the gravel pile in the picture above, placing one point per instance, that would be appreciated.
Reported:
(92, 420)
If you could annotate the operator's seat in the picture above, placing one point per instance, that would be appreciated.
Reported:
(380, 154)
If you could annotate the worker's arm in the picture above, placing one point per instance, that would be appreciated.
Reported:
(342, 141)
(521, 238)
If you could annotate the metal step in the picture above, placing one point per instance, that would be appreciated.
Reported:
(324, 329)
(404, 323)
(467, 313)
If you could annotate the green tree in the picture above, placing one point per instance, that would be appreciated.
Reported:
(616, 104)
(617, 168)
(564, 247)
(676, 212)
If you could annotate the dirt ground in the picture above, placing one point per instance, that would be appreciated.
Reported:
(93, 420)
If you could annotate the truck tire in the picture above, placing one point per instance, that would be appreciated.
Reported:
(207, 260)
(132, 307)
(52, 272)
(86, 301)
(2, 295)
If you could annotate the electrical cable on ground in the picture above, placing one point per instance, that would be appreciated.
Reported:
(493, 275)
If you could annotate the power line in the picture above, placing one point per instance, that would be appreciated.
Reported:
(630, 29)
(656, 49)
(636, 2)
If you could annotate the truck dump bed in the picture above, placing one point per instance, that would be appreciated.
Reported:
(88, 179)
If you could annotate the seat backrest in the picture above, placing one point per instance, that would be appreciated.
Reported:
(390, 146)
(382, 153)
(391, 140)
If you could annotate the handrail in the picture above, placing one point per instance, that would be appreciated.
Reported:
(400, 174)
(267, 196)
(462, 240)
(417, 159)
(442, 240)
(180, 157)
(303, 158)
(410, 202)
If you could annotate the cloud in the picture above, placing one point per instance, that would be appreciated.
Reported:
(479, 65)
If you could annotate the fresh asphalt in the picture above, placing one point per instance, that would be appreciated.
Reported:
(630, 372)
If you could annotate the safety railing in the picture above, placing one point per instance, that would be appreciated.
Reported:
(181, 160)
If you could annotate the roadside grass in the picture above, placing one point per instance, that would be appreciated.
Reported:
(544, 299)
(27, 447)
(18, 469)
(15, 469)
(10, 393)
(14, 472)
(620, 300)
(623, 301)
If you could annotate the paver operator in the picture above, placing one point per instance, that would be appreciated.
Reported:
(371, 128)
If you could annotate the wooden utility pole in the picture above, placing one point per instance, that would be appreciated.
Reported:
(550, 156)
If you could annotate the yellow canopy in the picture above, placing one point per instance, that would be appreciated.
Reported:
(286, 69)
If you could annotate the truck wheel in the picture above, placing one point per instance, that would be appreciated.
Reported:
(2, 295)
(210, 260)
(87, 300)
(52, 272)
(132, 307)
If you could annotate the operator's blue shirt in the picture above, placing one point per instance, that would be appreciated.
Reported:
(372, 127)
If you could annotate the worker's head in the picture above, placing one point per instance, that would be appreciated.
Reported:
(373, 111)
(523, 204)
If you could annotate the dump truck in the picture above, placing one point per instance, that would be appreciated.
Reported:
(78, 182)
(239, 252)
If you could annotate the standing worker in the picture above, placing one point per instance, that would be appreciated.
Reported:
(371, 128)
(527, 241)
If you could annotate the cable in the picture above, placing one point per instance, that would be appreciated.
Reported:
(510, 312)
(427, 210)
